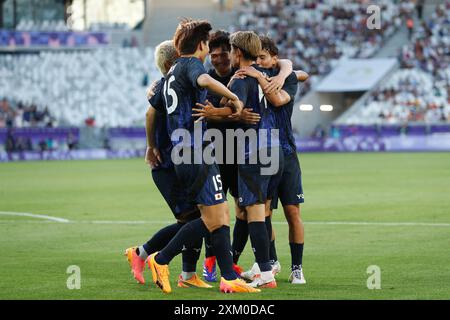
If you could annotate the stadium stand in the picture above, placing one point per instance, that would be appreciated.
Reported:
(107, 85)
(19, 115)
(420, 90)
(316, 34)
(46, 25)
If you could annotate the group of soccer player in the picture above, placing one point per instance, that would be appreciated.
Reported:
(248, 88)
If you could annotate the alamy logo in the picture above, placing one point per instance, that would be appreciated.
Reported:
(374, 280)
(374, 20)
(252, 147)
(74, 280)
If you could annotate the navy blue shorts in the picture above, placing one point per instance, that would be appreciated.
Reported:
(202, 183)
(175, 196)
(229, 174)
(253, 187)
(290, 189)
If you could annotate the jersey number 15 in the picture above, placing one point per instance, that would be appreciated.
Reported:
(168, 91)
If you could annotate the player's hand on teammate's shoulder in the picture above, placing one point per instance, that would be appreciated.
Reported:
(151, 90)
(276, 83)
(237, 75)
(152, 157)
(248, 71)
(249, 117)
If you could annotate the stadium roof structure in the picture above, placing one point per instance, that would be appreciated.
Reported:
(357, 75)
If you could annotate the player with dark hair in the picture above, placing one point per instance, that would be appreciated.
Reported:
(253, 186)
(158, 157)
(185, 85)
(219, 51)
(220, 48)
(290, 190)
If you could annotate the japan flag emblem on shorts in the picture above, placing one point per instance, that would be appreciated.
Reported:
(218, 196)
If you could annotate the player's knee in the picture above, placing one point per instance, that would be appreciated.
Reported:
(213, 225)
(292, 214)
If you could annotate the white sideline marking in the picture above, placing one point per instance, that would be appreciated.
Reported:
(162, 222)
(32, 215)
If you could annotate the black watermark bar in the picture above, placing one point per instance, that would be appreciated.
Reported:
(222, 309)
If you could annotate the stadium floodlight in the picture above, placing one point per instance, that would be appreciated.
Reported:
(326, 107)
(306, 107)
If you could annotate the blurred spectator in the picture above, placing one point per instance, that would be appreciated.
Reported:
(420, 90)
(23, 144)
(419, 8)
(10, 144)
(18, 115)
(410, 26)
(71, 141)
(316, 34)
(319, 132)
(90, 122)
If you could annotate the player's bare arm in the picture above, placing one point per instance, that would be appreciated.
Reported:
(277, 82)
(210, 112)
(302, 76)
(276, 98)
(151, 90)
(152, 154)
(206, 81)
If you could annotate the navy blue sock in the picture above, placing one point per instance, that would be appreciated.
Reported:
(222, 248)
(191, 255)
(187, 236)
(272, 250)
(209, 251)
(296, 255)
(162, 238)
(260, 244)
(240, 237)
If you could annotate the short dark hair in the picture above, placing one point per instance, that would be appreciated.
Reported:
(189, 34)
(269, 45)
(220, 39)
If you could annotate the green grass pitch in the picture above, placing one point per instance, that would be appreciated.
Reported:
(414, 259)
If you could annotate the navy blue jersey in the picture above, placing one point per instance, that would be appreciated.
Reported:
(211, 96)
(283, 115)
(181, 93)
(252, 96)
(162, 139)
(215, 101)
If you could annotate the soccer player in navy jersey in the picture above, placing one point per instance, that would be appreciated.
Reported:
(220, 47)
(158, 152)
(185, 85)
(253, 187)
(290, 189)
(219, 52)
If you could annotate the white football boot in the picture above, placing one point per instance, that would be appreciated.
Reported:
(252, 273)
(276, 268)
(297, 277)
(264, 280)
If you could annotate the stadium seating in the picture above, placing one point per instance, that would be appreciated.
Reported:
(108, 85)
(316, 34)
(420, 90)
(46, 25)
